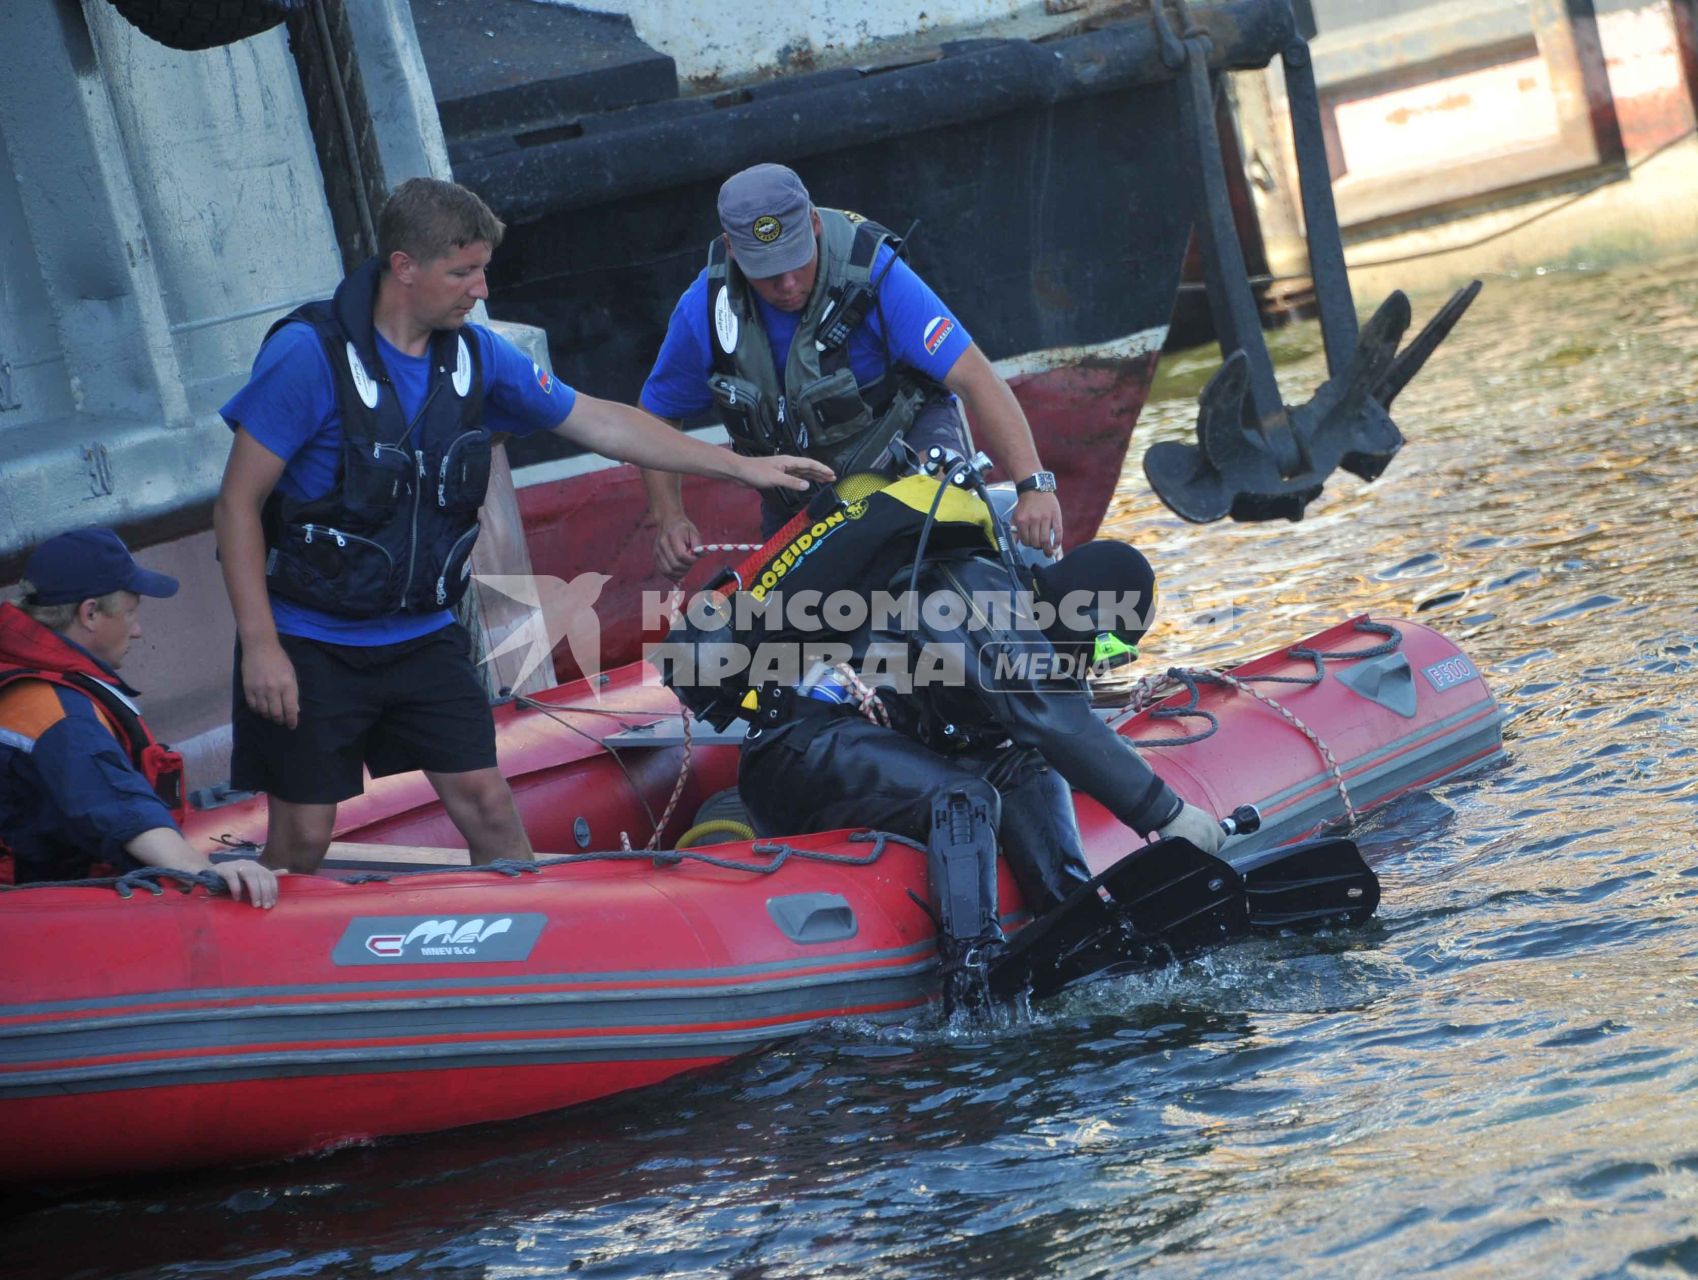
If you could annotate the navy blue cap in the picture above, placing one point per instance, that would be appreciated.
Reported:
(86, 564)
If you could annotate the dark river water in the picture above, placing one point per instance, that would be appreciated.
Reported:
(1498, 1077)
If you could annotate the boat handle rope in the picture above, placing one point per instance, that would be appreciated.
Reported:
(151, 880)
(1149, 689)
(776, 855)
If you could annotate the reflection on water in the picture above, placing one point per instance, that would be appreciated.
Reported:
(1497, 1077)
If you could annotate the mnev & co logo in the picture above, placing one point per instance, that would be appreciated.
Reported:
(428, 940)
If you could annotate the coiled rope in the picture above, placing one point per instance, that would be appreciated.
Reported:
(1149, 690)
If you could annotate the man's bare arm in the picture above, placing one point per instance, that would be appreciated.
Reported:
(1002, 429)
(268, 677)
(676, 536)
(626, 434)
(165, 847)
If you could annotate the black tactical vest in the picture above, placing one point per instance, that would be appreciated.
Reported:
(395, 533)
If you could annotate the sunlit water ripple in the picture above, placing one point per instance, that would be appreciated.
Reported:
(1498, 1077)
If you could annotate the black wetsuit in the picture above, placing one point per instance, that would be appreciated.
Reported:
(1019, 743)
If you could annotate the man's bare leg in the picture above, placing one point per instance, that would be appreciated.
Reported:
(481, 805)
(297, 835)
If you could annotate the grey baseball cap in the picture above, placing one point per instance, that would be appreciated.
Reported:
(768, 217)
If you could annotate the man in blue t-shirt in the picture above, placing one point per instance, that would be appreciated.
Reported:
(810, 335)
(347, 515)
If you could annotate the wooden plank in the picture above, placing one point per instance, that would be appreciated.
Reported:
(346, 852)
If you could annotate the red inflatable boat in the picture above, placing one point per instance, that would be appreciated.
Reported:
(393, 994)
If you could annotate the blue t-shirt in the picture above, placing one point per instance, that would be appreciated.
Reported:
(289, 406)
(923, 334)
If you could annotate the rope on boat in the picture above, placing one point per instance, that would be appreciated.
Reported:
(1152, 689)
(1145, 693)
(550, 709)
(776, 853)
(677, 787)
(150, 880)
(867, 701)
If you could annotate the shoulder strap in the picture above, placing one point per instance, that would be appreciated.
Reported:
(718, 284)
(471, 404)
(125, 725)
(158, 764)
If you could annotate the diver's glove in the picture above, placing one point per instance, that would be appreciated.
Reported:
(1196, 826)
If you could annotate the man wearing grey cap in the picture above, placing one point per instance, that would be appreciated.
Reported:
(810, 334)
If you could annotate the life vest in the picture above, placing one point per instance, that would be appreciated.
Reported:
(395, 533)
(161, 766)
(816, 408)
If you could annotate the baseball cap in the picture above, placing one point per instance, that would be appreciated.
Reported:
(87, 563)
(768, 218)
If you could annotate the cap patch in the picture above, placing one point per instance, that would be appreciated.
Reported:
(767, 228)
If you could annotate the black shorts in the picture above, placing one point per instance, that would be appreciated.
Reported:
(389, 708)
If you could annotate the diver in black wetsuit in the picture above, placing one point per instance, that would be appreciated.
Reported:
(985, 752)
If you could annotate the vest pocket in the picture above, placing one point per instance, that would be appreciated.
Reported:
(462, 478)
(333, 570)
(448, 580)
(748, 419)
(376, 479)
(833, 410)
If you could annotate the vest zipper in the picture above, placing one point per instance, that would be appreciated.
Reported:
(442, 581)
(435, 386)
(413, 531)
(442, 471)
(418, 485)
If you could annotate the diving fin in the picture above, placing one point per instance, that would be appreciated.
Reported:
(1310, 884)
(1160, 901)
(1170, 899)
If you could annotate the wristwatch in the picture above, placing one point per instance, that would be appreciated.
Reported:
(1037, 482)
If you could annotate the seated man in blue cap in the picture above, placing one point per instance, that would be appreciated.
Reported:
(83, 783)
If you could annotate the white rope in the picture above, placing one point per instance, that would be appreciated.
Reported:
(677, 787)
(1149, 690)
(1305, 730)
(866, 698)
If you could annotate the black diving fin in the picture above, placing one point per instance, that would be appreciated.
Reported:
(1170, 899)
(1307, 885)
(1161, 901)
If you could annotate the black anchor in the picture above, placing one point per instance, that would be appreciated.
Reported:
(1256, 458)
